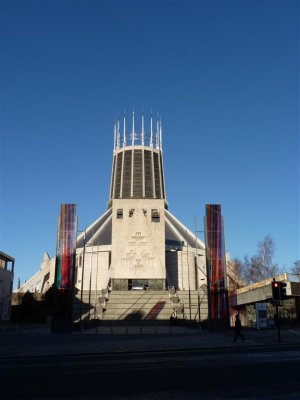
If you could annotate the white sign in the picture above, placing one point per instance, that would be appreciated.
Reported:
(261, 315)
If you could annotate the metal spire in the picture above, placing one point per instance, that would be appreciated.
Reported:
(115, 134)
(118, 133)
(143, 130)
(124, 131)
(157, 133)
(160, 134)
(133, 132)
(151, 132)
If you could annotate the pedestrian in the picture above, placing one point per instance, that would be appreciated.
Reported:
(237, 328)
(172, 318)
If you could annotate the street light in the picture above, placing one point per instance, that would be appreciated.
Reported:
(197, 267)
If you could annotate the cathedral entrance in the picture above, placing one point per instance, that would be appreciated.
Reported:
(138, 284)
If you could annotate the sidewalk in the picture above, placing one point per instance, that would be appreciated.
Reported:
(40, 342)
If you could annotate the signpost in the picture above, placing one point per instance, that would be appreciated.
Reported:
(261, 315)
(276, 294)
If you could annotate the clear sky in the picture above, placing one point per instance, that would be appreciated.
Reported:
(224, 76)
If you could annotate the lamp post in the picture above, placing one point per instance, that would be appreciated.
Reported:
(82, 276)
(198, 268)
(189, 283)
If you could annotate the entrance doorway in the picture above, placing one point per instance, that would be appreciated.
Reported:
(138, 284)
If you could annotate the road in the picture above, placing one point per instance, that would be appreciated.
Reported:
(186, 374)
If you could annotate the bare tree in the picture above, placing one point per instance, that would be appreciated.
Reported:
(296, 268)
(260, 266)
(240, 269)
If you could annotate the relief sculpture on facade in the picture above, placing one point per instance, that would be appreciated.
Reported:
(138, 261)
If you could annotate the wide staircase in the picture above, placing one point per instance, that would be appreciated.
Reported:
(138, 306)
(156, 306)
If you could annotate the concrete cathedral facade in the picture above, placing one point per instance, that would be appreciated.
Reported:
(137, 249)
(137, 244)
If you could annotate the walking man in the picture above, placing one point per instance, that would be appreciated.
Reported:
(237, 328)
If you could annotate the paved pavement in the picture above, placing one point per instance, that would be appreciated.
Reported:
(40, 341)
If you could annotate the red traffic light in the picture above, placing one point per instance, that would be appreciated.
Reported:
(279, 290)
(275, 291)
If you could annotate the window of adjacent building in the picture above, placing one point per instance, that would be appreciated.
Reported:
(119, 213)
(155, 215)
(131, 211)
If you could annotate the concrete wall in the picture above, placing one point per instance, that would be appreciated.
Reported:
(95, 269)
(6, 279)
(254, 295)
(186, 269)
(182, 272)
(138, 244)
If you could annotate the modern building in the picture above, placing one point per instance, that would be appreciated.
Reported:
(6, 284)
(246, 299)
(137, 243)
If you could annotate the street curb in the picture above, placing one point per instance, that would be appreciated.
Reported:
(207, 350)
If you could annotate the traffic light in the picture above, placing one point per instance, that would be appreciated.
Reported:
(279, 290)
(282, 286)
(276, 290)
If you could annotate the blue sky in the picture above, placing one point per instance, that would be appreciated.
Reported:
(223, 75)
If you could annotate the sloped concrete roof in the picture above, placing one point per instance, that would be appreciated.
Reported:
(99, 233)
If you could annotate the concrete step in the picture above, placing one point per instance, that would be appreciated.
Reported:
(134, 297)
(130, 293)
(161, 304)
(134, 316)
(139, 306)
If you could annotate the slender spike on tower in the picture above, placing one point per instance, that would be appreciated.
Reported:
(157, 133)
(140, 138)
(118, 133)
(143, 130)
(124, 131)
(160, 134)
(151, 131)
(138, 166)
(133, 131)
(115, 134)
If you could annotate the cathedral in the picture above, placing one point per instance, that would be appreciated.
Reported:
(137, 243)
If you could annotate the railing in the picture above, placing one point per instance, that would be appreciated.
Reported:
(101, 305)
(178, 306)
